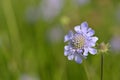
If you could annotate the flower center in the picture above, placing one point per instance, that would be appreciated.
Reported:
(78, 41)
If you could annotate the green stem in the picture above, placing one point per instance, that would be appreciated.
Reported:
(13, 32)
(86, 71)
(102, 66)
(12, 27)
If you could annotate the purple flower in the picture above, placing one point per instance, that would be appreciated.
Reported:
(115, 44)
(80, 43)
(51, 8)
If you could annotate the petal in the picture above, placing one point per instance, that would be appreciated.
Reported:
(70, 57)
(66, 52)
(77, 29)
(67, 47)
(85, 52)
(84, 27)
(91, 44)
(94, 39)
(90, 32)
(79, 50)
(68, 36)
(92, 51)
(78, 59)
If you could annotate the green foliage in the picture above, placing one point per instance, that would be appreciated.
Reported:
(28, 47)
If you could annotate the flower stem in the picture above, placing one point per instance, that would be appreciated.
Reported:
(102, 66)
(86, 70)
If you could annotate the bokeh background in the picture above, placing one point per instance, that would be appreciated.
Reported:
(32, 39)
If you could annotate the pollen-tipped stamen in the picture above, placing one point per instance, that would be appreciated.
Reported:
(78, 41)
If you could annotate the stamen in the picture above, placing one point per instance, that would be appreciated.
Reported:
(78, 41)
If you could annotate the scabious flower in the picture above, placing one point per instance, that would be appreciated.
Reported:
(80, 2)
(28, 77)
(55, 34)
(51, 8)
(80, 43)
(115, 43)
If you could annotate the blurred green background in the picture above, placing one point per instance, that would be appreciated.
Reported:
(32, 39)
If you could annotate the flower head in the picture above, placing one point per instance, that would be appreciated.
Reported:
(115, 43)
(80, 43)
(102, 47)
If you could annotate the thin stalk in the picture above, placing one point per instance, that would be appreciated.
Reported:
(86, 70)
(12, 27)
(102, 60)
